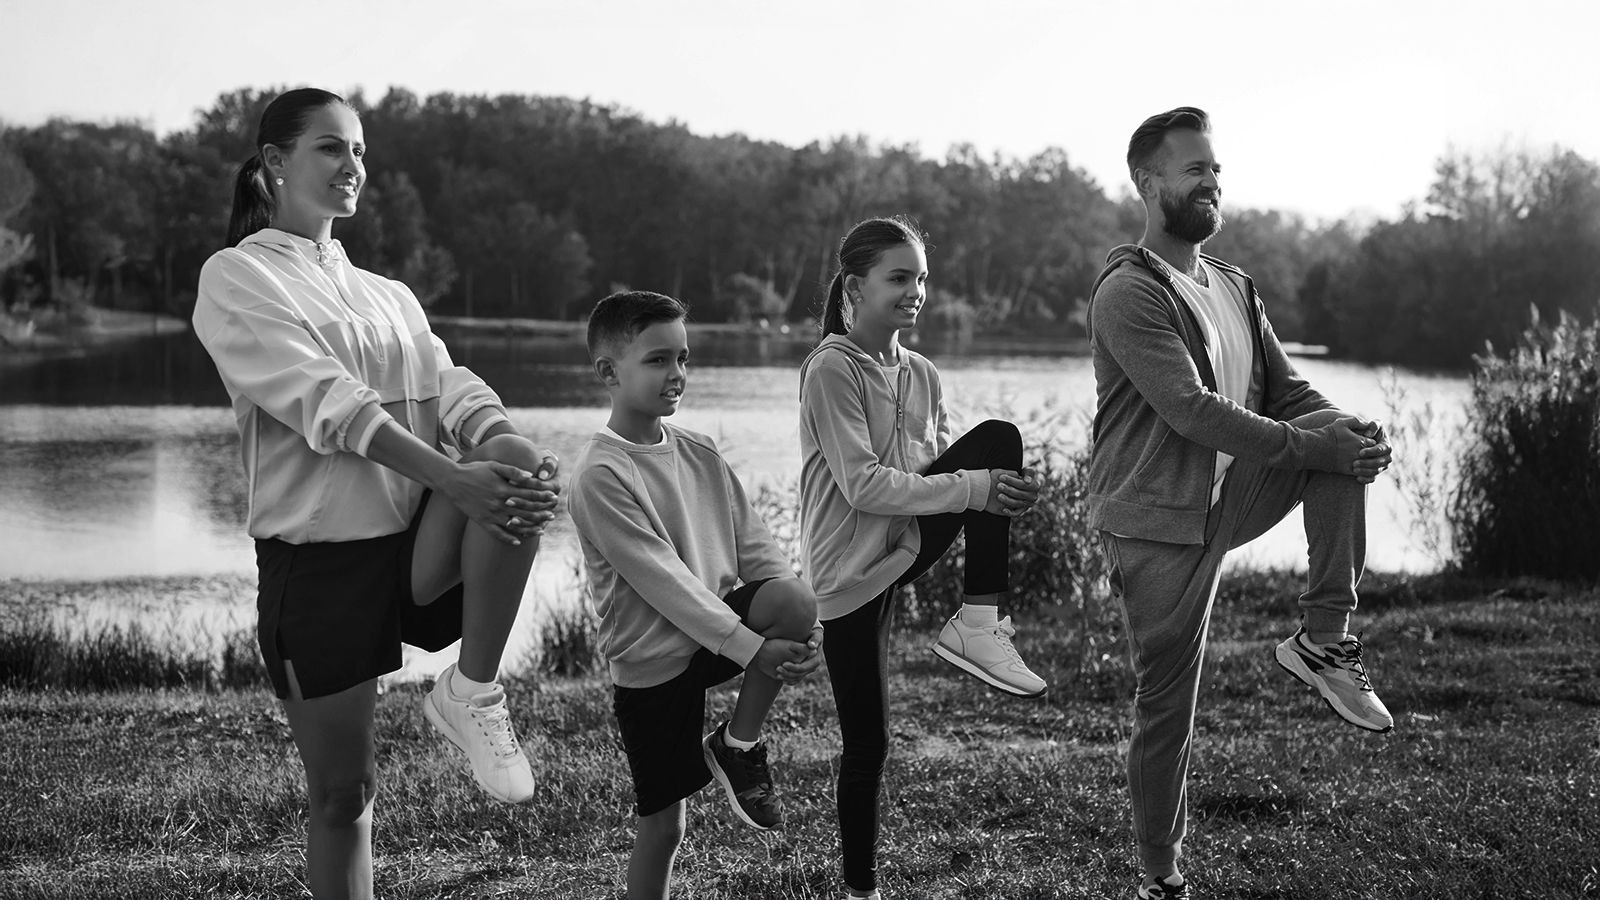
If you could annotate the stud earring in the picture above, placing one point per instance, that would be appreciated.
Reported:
(280, 179)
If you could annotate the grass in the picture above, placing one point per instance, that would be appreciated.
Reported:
(1489, 786)
(48, 639)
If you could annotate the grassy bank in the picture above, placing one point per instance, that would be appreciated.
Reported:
(1489, 786)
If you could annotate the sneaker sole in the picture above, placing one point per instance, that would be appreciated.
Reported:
(437, 720)
(977, 671)
(1289, 660)
(727, 789)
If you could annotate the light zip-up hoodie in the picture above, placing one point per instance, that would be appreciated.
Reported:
(667, 532)
(1159, 419)
(867, 433)
(317, 355)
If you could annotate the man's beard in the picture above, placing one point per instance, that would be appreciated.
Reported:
(1187, 222)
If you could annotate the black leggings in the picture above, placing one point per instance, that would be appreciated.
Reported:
(856, 645)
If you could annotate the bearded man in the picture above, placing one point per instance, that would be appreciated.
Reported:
(1205, 436)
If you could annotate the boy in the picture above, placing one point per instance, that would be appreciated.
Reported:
(690, 586)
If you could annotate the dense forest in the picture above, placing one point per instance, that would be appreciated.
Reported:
(537, 206)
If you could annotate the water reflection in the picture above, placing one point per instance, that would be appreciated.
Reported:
(126, 462)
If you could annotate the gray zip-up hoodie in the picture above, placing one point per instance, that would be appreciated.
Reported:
(1159, 420)
(867, 433)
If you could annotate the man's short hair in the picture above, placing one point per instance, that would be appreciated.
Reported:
(619, 318)
(1144, 148)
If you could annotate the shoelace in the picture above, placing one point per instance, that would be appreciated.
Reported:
(1004, 631)
(754, 764)
(497, 725)
(1349, 650)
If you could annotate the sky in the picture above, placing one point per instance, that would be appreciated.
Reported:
(1319, 107)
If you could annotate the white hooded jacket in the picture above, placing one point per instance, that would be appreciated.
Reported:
(317, 355)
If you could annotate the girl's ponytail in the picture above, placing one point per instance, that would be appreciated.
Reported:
(835, 313)
(859, 251)
(252, 201)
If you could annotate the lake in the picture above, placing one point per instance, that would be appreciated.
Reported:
(124, 461)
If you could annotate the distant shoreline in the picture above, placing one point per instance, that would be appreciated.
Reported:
(23, 345)
(23, 342)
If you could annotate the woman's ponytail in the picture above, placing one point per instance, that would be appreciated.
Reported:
(252, 201)
(835, 313)
(282, 123)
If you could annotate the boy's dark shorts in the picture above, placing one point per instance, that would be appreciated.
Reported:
(662, 724)
(340, 610)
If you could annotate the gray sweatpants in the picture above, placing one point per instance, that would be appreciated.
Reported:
(1166, 592)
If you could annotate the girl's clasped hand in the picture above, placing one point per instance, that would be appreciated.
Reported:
(1012, 493)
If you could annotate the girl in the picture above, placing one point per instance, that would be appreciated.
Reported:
(883, 494)
(351, 416)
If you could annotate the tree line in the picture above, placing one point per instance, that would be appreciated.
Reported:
(536, 206)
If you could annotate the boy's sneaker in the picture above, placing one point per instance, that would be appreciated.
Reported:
(481, 727)
(985, 652)
(745, 778)
(1164, 889)
(1337, 673)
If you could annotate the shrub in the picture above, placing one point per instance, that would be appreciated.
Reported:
(1425, 470)
(38, 654)
(569, 631)
(242, 666)
(1528, 503)
(569, 641)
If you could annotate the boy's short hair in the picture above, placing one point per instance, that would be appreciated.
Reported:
(619, 318)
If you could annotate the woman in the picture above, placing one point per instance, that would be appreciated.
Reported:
(351, 416)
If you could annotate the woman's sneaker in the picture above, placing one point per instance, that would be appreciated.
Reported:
(481, 727)
(1164, 889)
(985, 652)
(1336, 671)
(745, 778)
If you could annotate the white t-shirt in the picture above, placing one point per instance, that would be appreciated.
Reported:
(607, 429)
(1229, 344)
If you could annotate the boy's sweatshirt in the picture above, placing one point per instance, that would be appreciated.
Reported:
(317, 355)
(667, 532)
(867, 433)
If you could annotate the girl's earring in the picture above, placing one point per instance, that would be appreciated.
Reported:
(280, 179)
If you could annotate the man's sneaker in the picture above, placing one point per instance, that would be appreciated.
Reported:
(985, 652)
(481, 727)
(1164, 889)
(1337, 673)
(745, 778)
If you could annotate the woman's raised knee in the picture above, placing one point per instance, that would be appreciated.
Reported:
(511, 449)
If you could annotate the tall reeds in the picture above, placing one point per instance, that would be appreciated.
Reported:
(1528, 500)
(38, 654)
